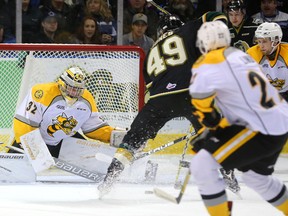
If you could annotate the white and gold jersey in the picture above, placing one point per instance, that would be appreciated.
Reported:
(275, 70)
(240, 89)
(46, 109)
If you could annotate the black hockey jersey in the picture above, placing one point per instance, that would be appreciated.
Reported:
(167, 67)
(243, 36)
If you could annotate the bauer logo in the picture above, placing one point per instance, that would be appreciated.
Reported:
(9, 156)
(78, 171)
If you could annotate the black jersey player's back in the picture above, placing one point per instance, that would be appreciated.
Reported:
(167, 67)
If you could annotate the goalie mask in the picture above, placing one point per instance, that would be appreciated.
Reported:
(72, 84)
(168, 23)
(212, 35)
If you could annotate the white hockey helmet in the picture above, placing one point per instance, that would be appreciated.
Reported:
(270, 30)
(212, 35)
(72, 83)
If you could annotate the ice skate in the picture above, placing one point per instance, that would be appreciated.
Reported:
(113, 173)
(230, 180)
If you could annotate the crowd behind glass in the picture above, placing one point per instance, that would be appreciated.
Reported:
(94, 21)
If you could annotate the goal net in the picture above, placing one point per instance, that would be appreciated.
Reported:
(113, 78)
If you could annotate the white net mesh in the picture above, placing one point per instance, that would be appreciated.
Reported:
(112, 77)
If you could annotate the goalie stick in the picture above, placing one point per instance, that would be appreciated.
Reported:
(71, 168)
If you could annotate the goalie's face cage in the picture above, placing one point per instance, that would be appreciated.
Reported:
(72, 83)
(73, 92)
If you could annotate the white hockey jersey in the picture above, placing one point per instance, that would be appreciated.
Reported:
(46, 109)
(241, 91)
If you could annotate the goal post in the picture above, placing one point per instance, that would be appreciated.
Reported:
(114, 77)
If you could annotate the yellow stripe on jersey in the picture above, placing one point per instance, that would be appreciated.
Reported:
(233, 144)
(213, 57)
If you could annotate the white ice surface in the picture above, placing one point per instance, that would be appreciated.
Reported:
(125, 200)
(81, 199)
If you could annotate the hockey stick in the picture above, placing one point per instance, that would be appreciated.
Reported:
(160, 148)
(71, 168)
(158, 7)
(177, 182)
(160, 193)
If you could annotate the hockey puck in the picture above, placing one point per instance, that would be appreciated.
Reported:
(149, 192)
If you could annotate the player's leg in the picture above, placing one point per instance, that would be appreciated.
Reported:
(224, 144)
(259, 175)
(269, 188)
(145, 126)
(204, 169)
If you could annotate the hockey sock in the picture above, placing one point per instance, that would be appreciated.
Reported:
(281, 201)
(217, 204)
(124, 156)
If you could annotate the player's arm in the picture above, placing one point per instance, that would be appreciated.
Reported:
(95, 127)
(27, 117)
(206, 112)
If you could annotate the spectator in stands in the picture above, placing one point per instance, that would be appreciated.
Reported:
(31, 21)
(139, 6)
(270, 13)
(64, 12)
(49, 28)
(36, 3)
(184, 9)
(88, 32)
(1, 33)
(204, 6)
(107, 25)
(137, 36)
(7, 20)
(241, 27)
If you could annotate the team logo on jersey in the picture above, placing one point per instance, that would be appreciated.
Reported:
(64, 123)
(38, 94)
(277, 83)
(171, 86)
(242, 45)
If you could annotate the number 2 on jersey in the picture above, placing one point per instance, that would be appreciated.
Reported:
(255, 80)
(174, 48)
